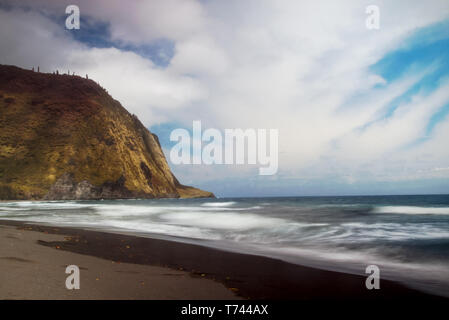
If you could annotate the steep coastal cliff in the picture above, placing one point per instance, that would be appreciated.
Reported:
(65, 137)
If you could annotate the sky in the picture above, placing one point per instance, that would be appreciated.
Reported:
(359, 111)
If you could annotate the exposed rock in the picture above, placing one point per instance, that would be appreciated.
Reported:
(66, 188)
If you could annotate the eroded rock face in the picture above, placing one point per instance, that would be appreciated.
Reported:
(66, 188)
(64, 137)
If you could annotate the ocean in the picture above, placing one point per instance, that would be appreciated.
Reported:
(407, 237)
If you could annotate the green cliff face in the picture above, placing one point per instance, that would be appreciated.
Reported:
(65, 137)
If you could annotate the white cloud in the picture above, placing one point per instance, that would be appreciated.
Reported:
(291, 65)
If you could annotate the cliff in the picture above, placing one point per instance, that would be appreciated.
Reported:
(65, 137)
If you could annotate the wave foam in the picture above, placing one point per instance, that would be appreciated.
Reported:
(412, 210)
(218, 204)
(225, 221)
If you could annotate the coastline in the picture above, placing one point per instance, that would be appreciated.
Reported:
(174, 270)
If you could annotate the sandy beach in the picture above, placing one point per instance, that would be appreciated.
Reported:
(30, 270)
(114, 266)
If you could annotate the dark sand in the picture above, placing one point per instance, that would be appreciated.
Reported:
(115, 266)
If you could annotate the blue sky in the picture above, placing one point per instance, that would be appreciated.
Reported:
(425, 48)
(97, 34)
(358, 111)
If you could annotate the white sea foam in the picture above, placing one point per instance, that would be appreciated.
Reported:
(226, 221)
(133, 210)
(6, 209)
(218, 204)
(412, 210)
(23, 205)
(367, 232)
(164, 229)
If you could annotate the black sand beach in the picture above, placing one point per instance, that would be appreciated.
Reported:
(244, 276)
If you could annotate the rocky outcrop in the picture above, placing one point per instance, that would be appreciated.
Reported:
(65, 137)
(66, 188)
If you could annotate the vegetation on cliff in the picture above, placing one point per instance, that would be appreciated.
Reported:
(65, 137)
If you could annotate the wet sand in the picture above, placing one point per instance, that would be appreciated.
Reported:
(114, 266)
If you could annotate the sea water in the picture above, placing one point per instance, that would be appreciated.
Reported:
(407, 237)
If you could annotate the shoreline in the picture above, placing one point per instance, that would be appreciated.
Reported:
(243, 275)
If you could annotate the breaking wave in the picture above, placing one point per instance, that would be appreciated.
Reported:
(412, 210)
